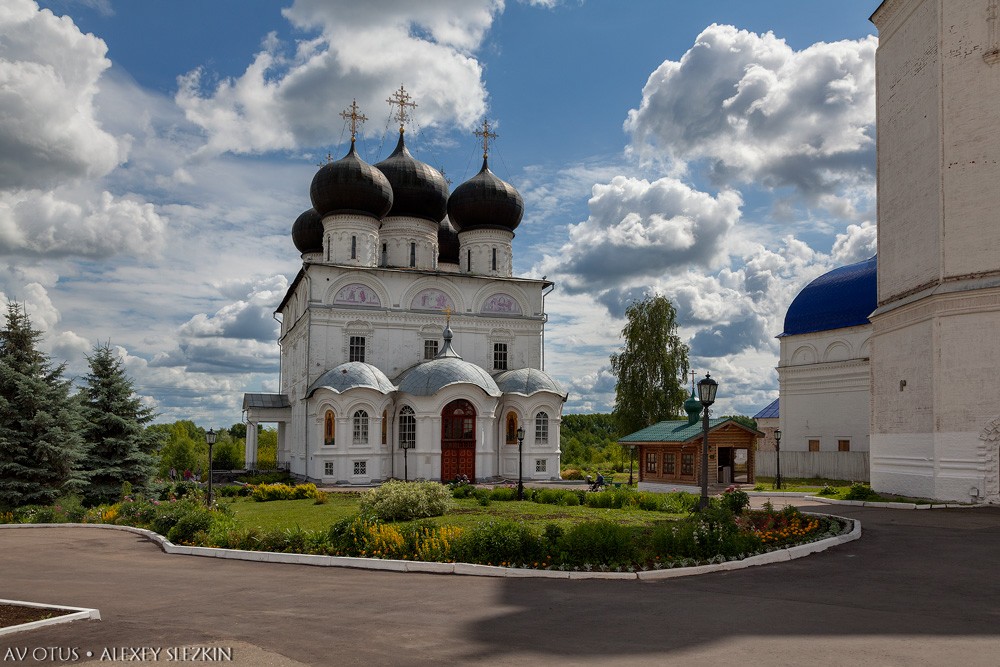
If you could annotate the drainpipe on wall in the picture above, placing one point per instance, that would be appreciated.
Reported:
(545, 318)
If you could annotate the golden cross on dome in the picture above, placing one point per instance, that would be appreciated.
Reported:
(447, 315)
(402, 99)
(486, 136)
(355, 117)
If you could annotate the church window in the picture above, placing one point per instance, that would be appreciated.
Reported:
(500, 356)
(385, 254)
(357, 349)
(541, 465)
(843, 445)
(328, 468)
(687, 464)
(814, 445)
(542, 428)
(651, 462)
(413, 254)
(354, 247)
(407, 428)
(468, 261)
(361, 467)
(430, 349)
(511, 428)
(360, 427)
(669, 464)
(329, 428)
(385, 426)
(494, 263)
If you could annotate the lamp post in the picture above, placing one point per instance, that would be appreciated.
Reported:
(520, 464)
(631, 458)
(777, 459)
(405, 446)
(706, 394)
(210, 439)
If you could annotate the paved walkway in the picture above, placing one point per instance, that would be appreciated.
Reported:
(919, 588)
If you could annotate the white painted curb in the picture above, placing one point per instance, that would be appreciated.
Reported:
(471, 569)
(889, 505)
(79, 613)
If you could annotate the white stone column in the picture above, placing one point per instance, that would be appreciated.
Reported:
(250, 449)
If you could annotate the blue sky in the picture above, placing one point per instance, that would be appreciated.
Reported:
(721, 153)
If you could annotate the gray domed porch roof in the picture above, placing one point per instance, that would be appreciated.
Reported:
(528, 381)
(352, 375)
(430, 377)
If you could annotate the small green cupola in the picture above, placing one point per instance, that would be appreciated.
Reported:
(693, 407)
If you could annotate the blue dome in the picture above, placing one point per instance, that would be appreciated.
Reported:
(844, 297)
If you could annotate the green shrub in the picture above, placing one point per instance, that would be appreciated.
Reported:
(860, 491)
(599, 543)
(403, 501)
(463, 490)
(233, 490)
(505, 543)
(735, 500)
(572, 473)
(557, 497)
(827, 490)
(273, 477)
(196, 520)
(503, 494)
(268, 492)
(707, 534)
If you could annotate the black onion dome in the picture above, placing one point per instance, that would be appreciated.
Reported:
(350, 185)
(418, 190)
(485, 202)
(448, 245)
(307, 232)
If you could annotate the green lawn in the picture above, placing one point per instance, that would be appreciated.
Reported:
(466, 512)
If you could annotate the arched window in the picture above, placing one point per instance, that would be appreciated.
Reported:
(542, 428)
(385, 425)
(360, 427)
(407, 428)
(329, 428)
(511, 428)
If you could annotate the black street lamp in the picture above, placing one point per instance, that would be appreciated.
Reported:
(706, 394)
(406, 445)
(520, 464)
(210, 439)
(631, 458)
(777, 458)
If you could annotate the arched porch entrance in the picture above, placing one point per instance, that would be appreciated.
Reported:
(458, 440)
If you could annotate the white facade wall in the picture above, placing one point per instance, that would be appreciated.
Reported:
(935, 350)
(824, 385)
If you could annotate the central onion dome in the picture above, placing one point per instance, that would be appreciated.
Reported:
(350, 185)
(485, 202)
(448, 244)
(418, 190)
(844, 297)
(307, 232)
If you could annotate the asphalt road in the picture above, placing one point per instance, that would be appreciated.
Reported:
(919, 588)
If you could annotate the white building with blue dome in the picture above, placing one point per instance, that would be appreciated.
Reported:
(408, 348)
(824, 374)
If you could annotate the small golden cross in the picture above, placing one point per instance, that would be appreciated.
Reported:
(486, 136)
(402, 99)
(447, 315)
(355, 117)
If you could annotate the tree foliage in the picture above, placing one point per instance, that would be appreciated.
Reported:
(651, 366)
(118, 448)
(40, 442)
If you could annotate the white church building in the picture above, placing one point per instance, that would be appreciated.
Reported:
(408, 348)
(916, 382)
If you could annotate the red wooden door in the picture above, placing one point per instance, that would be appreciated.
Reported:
(458, 441)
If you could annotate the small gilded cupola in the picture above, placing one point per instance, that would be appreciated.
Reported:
(484, 211)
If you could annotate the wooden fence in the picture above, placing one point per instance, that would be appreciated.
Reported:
(851, 466)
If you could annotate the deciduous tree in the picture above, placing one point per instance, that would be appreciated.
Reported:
(650, 367)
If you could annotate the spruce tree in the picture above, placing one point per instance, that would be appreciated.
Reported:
(40, 443)
(118, 448)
